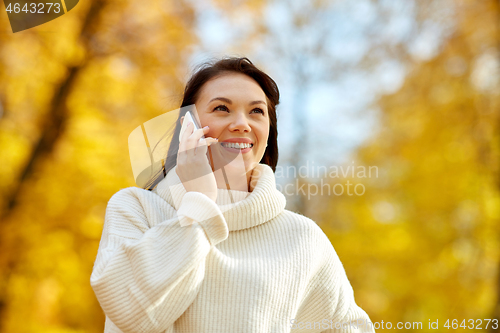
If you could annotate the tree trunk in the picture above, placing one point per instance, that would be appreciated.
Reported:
(52, 129)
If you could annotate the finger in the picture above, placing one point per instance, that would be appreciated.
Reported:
(208, 141)
(203, 143)
(193, 141)
(194, 138)
(211, 140)
(183, 144)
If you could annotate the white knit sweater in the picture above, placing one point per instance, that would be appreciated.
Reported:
(171, 261)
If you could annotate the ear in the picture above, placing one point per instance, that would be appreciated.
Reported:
(182, 119)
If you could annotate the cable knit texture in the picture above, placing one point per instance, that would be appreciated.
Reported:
(174, 261)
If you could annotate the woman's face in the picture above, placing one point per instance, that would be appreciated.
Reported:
(234, 107)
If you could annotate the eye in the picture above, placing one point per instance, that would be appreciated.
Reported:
(221, 108)
(259, 110)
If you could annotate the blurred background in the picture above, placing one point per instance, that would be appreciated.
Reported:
(410, 88)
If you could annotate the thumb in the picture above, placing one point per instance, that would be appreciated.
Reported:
(210, 141)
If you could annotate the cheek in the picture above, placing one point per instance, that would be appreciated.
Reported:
(214, 131)
(263, 137)
(264, 133)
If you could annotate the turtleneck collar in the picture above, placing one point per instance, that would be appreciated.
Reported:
(241, 209)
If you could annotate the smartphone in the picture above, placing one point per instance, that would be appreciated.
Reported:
(188, 118)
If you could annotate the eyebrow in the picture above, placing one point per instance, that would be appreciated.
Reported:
(227, 100)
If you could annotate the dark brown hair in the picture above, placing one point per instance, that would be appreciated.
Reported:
(202, 75)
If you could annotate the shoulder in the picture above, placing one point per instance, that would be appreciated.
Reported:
(303, 223)
(135, 201)
(324, 267)
(127, 202)
(135, 208)
(128, 193)
(131, 197)
(318, 243)
(306, 230)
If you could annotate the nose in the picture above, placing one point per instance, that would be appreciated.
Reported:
(240, 123)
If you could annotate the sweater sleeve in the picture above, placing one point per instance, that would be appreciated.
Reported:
(355, 319)
(348, 316)
(146, 277)
(328, 303)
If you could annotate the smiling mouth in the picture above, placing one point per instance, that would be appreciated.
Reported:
(236, 145)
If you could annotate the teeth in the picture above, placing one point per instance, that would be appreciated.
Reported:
(237, 145)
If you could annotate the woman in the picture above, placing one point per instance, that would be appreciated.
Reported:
(195, 256)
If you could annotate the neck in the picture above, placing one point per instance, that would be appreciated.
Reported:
(230, 179)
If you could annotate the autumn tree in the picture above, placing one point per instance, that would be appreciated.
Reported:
(425, 233)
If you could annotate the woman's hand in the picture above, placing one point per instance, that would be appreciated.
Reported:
(193, 167)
